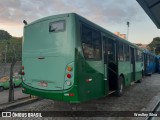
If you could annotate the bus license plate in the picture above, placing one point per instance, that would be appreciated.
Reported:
(43, 84)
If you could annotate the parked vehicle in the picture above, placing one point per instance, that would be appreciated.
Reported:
(149, 62)
(158, 64)
(5, 82)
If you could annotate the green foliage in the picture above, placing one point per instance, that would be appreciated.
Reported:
(4, 35)
(155, 44)
(10, 49)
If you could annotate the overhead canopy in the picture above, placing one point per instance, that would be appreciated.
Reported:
(152, 8)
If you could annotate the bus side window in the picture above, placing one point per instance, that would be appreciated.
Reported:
(105, 44)
(126, 52)
(86, 39)
(96, 37)
(120, 52)
(111, 51)
(138, 55)
(91, 43)
(87, 50)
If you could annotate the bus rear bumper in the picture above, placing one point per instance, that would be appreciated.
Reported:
(49, 94)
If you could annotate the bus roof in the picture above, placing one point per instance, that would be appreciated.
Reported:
(110, 33)
(49, 17)
(88, 21)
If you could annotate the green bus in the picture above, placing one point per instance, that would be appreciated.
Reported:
(69, 58)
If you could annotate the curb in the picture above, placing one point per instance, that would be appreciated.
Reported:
(17, 103)
(150, 107)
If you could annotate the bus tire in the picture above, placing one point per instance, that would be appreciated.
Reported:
(119, 91)
(149, 74)
(1, 88)
(139, 81)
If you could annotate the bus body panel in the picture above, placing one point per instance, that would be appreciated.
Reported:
(50, 70)
(90, 80)
(89, 74)
(158, 64)
(45, 65)
(150, 62)
(139, 69)
(125, 68)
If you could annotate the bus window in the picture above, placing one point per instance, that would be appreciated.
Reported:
(139, 55)
(120, 52)
(126, 52)
(57, 26)
(96, 44)
(105, 45)
(87, 42)
(111, 51)
(148, 59)
(91, 43)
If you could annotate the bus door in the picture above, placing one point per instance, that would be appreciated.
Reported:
(132, 60)
(111, 67)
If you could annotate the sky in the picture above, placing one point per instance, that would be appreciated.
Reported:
(110, 14)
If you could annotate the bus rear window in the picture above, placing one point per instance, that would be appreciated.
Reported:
(57, 26)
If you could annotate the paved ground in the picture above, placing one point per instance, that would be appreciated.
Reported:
(17, 95)
(135, 98)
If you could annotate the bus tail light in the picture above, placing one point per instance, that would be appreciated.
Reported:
(71, 94)
(89, 80)
(22, 73)
(68, 75)
(69, 68)
(68, 82)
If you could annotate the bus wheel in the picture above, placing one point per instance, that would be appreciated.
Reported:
(1, 88)
(139, 81)
(120, 86)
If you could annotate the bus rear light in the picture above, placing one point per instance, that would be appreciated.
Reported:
(23, 89)
(22, 73)
(71, 94)
(88, 80)
(68, 75)
(23, 78)
(69, 68)
(68, 83)
(22, 67)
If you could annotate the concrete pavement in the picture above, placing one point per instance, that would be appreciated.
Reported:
(20, 99)
(17, 95)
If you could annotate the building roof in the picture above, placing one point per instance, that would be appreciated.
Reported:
(152, 8)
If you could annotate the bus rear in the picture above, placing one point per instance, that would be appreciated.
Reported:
(48, 58)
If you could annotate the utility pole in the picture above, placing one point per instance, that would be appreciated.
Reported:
(127, 29)
(154, 50)
(11, 88)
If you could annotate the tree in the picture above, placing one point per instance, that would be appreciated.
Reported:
(155, 45)
(4, 35)
(11, 49)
